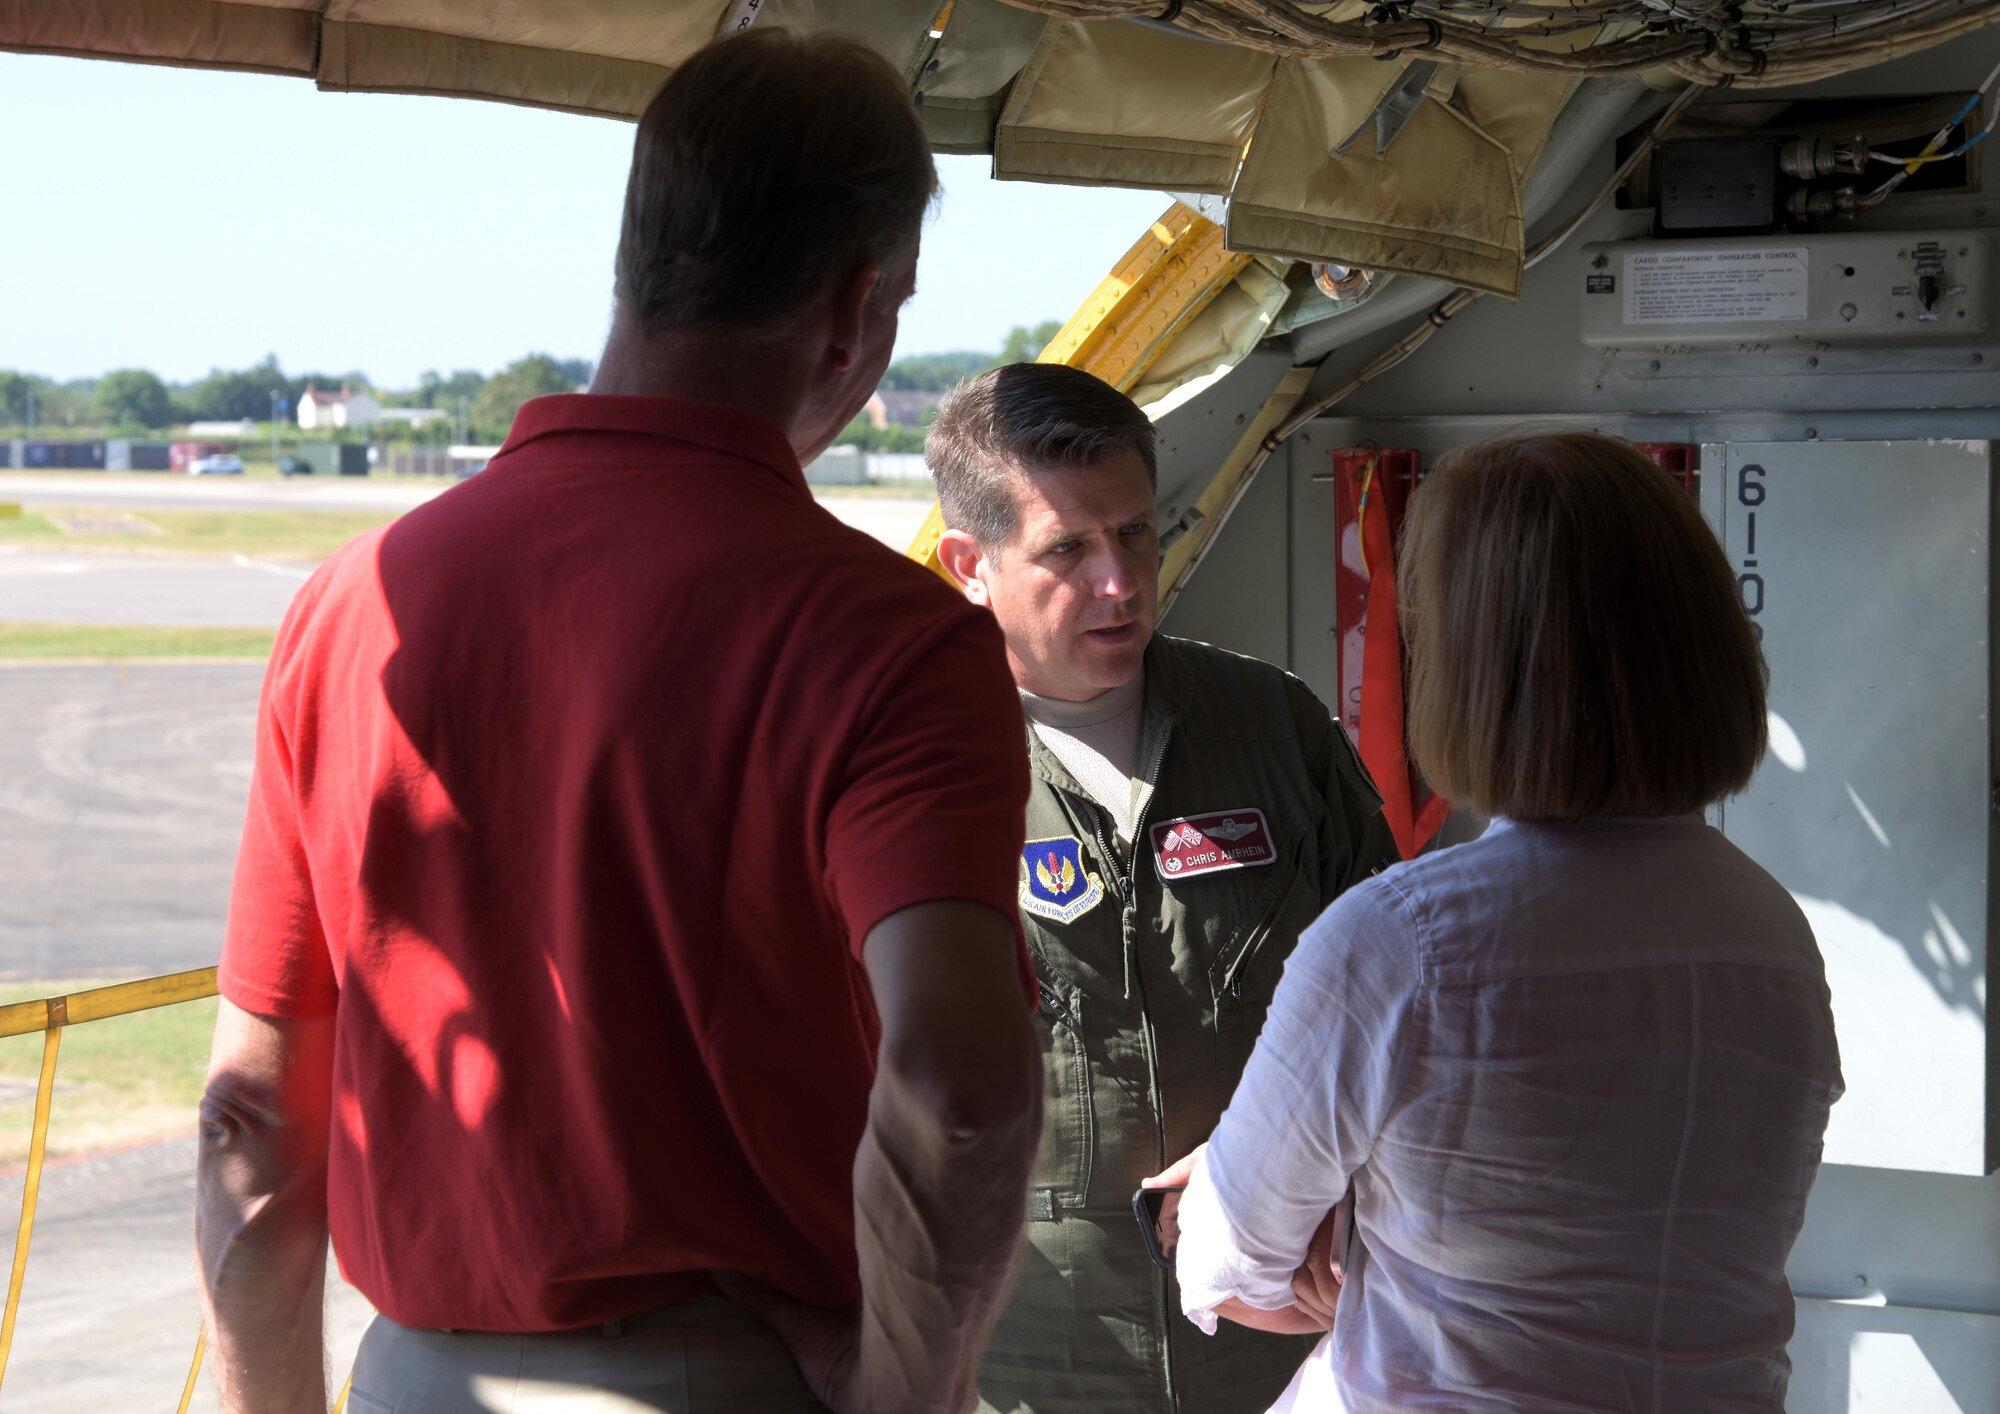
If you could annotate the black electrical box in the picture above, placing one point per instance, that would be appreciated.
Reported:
(1724, 184)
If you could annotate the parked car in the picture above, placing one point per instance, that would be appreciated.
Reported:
(294, 466)
(216, 464)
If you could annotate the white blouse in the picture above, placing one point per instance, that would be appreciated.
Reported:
(1579, 1077)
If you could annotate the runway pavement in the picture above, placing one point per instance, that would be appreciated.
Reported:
(122, 786)
(122, 789)
(108, 1312)
(235, 591)
(166, 491)
(892, 521)
(50, 585)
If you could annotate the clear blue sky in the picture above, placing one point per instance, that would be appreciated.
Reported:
(178, 220)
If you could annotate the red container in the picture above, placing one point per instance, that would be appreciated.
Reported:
(1681, 459)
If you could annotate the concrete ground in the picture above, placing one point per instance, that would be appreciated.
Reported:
(122, 785)
(236, 591)
(891, 520)
(165, 491)
(122, 789)
(108, 1315)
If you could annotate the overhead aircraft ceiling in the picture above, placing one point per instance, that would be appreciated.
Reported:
(1392, 135)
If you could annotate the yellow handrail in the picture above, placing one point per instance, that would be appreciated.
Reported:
(31, 1190)
(100, 1002)
(50, 1015)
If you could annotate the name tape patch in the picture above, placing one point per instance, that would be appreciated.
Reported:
(1205, 844)
(1054, 883)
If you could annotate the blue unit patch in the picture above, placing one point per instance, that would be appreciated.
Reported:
(1054, 883)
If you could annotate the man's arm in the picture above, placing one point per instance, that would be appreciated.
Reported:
(940, 1175)
(260, 1210)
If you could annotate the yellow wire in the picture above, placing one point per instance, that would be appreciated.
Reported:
(31, 1190)
(194, 1370)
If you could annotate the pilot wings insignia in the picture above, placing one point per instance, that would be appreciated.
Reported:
(1054, 882)
(1229, 830)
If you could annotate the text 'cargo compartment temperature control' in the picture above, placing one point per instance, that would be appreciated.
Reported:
(1749, 295)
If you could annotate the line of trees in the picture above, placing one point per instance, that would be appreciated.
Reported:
(134, 401)
(937, 373)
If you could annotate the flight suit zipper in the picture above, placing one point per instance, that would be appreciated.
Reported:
(1151, 778)
(1124, 865)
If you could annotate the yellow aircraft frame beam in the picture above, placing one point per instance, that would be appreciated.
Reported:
(1168, 277)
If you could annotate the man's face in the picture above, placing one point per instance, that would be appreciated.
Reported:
(1076, 585)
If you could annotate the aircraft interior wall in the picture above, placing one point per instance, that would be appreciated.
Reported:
(1850, 479)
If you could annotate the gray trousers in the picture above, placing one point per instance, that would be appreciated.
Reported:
(700, 1357)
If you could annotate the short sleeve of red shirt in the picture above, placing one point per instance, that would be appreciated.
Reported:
(933, 804)
(275, 960)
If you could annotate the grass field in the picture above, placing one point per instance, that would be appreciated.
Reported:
(40, 642)
(278, 535)
(121, 1080)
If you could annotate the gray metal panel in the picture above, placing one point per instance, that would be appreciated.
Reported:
(1866, 566)
(1194, 439)
(1926, 1240)
(1243, 570)
(1893, 1360)
(1829, 291)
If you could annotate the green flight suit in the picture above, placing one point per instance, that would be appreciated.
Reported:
(1153, 990)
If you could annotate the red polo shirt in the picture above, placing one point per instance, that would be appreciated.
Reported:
(576, 793)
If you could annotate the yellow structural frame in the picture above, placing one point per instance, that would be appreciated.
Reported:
(1168, 277)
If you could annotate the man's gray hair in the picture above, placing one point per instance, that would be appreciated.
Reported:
(766, 168)
(1025, 417)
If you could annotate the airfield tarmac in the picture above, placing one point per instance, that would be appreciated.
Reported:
(122, 788)
(122, 784)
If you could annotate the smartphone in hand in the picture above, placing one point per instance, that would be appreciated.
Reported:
(1158, 1212)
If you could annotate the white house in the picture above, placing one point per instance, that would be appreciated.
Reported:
(337, 410)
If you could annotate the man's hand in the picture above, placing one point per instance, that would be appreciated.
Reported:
(825, 1343)
(940, 1175)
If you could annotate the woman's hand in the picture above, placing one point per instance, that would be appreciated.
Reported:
(1317, 1284)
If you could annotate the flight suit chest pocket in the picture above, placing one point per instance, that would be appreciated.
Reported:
(1246, 970)
(1062, 1170)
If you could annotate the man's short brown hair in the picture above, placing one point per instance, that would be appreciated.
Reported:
(766, 168)
(1577, 645)
(1030, 416)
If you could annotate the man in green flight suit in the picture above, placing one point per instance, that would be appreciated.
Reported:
(1192, 811)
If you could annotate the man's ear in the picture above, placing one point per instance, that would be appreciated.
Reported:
(964, 559)
(848, 305)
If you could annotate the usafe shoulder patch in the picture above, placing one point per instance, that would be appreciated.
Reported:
(1206, 844)
(1054, 883)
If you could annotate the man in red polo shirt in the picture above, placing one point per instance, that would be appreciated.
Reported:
(626, 907)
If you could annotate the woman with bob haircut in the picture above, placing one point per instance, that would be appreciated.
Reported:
(1577, 1071)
